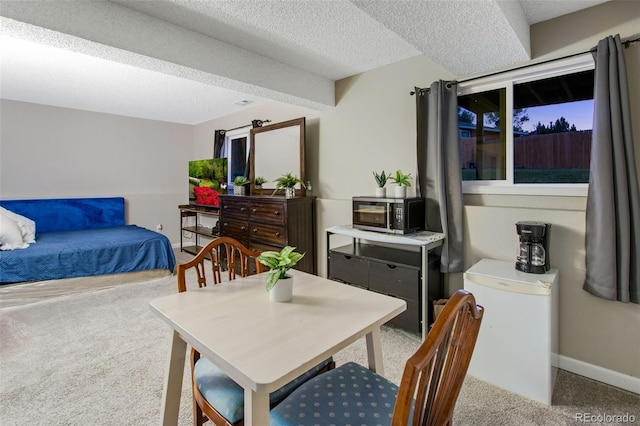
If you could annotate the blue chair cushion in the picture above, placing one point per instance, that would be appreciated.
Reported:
(227, 397)
(347, 395)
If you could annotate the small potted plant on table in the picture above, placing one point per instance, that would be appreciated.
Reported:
(279, 284)
(288, 183)
(403, 181)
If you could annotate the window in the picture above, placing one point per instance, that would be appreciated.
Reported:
(236, 150)
(546, 147)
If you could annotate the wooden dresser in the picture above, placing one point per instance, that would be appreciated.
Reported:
(270, 223)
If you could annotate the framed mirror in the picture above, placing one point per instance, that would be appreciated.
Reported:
(275, 150)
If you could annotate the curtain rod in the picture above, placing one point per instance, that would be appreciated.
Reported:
(254, 123)
(593, 49)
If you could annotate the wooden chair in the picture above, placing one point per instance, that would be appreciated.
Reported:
(428, 391)
(213, 252)
(215, 396)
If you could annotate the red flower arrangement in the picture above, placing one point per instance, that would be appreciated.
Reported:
(207, 196)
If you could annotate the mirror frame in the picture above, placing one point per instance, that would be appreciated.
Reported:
(257, 130)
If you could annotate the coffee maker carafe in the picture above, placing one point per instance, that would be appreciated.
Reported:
(533, 255)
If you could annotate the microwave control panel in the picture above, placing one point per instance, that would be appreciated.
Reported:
(398, 213)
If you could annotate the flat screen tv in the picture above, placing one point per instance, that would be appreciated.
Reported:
(207, 179)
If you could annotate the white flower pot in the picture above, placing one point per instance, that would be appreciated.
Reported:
(282, 291)
(401, 191)
(289, 192)
(381, 192)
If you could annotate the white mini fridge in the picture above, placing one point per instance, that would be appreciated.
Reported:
(517, 347)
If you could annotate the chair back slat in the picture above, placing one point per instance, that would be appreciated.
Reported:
(433, 376)
(213, 252)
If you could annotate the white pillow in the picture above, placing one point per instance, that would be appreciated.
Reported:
(10, 234)
(26, 225)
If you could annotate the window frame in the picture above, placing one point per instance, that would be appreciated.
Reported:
(507, 80)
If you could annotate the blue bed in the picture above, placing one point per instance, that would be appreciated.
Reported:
(82, 237)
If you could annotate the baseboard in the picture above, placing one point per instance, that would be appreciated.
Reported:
(177, 245)
(610, 377)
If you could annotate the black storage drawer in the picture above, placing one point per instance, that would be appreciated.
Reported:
(395, 280)
(390, 271)
(408, 320)
(348, 268)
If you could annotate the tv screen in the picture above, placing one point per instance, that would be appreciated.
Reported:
(207, 179)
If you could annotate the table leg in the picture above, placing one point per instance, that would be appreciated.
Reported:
(256, 408)
(173, 381)
(374, 351)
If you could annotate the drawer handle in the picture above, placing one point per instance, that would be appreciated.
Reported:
(243, 228)
(347, 257)
(277, 212)
(242, 209)
(391, 266)
(253, 210)
(255, 230)
(277, 234)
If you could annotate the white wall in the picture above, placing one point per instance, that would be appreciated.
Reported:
(50, 152)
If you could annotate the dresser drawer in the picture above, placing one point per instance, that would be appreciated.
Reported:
(270, 234)
(395, 280)
(260, 247)
(267, 212)
(237, 208)
(237, 229)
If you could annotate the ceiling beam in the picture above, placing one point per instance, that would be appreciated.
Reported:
(110, 31)
(465, 37)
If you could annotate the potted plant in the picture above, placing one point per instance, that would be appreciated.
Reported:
(257, 184)
(259, 181)
(403, 181)
(381, 180)
(279, 284)
(288, 182)
(239, 185)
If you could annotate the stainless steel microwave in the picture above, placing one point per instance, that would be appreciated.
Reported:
(392, 215)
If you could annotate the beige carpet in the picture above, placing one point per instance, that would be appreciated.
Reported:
(98, 357)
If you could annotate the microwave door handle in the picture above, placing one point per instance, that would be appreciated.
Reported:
(389, 216)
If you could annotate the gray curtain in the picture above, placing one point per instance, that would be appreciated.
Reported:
(218, 143)
(439, 175)
(613, 204)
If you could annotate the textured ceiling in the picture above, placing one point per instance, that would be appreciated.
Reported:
(189, 61)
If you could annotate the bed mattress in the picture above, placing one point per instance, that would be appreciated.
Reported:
(70, 254)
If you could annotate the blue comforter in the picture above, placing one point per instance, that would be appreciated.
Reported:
(89, 252)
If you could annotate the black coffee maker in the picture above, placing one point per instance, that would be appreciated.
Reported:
(533, 256)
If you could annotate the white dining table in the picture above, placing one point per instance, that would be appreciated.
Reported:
(262, 345)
